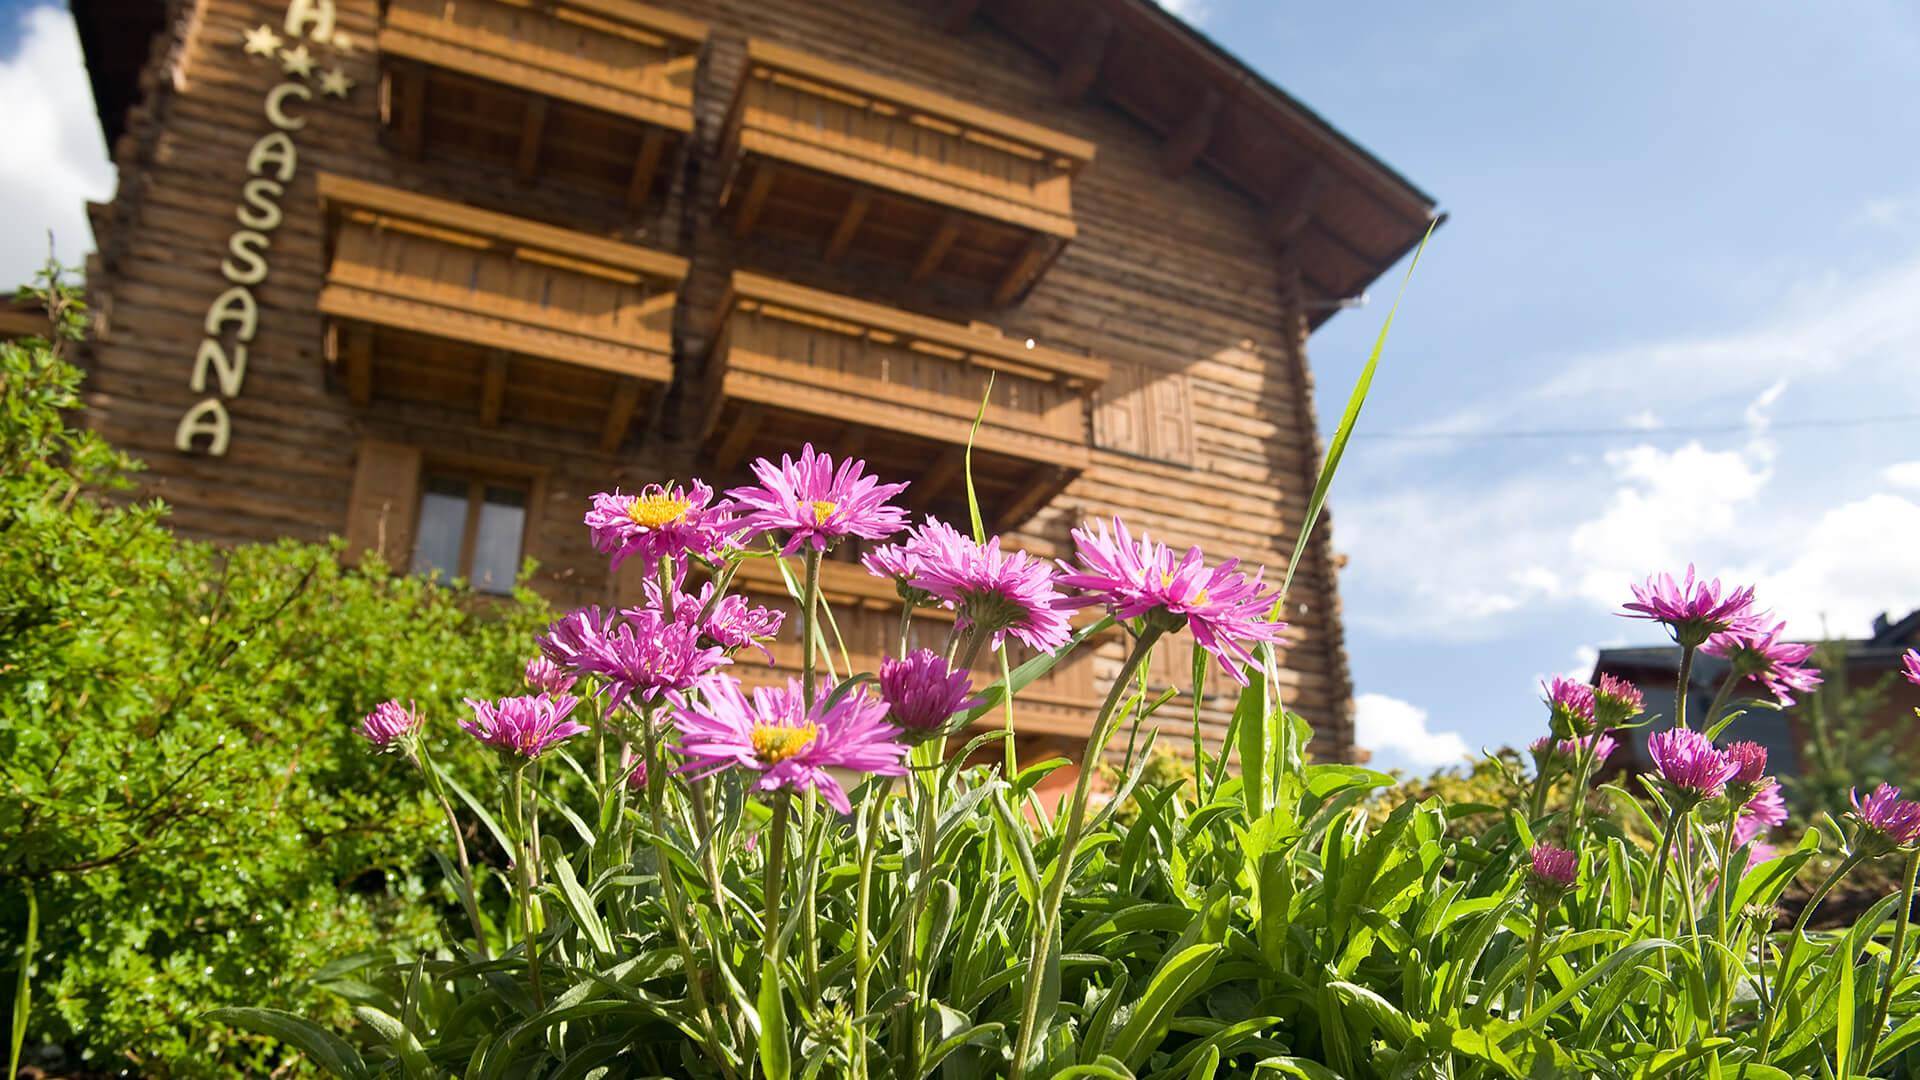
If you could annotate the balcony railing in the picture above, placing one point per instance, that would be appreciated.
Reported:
(897, 173)
(866, 614)
(903, 387)
(435, 301)
(596, 90)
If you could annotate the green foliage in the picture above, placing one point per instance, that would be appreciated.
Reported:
(184, 797)
(1848, 744)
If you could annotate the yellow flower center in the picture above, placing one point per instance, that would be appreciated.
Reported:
(822, 510)
(653, 511)
(773, 744)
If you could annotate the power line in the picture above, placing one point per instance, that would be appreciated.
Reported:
(1615, 432)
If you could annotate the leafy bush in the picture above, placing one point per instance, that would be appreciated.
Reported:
(186, 815)
(812, 881)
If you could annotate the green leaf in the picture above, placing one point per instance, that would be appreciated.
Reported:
(1171, 987)
(579, 904)
(405, 1045)
(776, 1054)
(329, 1051)
(473, 804)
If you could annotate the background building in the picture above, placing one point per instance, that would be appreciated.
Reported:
(427, 275)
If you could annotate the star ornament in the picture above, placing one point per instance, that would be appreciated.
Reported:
(262, 41)
(342, 42)
(335, 82)
(297, 61)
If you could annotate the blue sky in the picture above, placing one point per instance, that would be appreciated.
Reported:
(1693, 228)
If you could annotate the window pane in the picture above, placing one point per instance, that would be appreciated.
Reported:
(443, 522)
(496, 547)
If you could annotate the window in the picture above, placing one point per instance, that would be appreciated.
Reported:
(470, 527)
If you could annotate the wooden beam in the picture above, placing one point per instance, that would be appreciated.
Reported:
(1038, 493)
(853, 442)
(938, 477)
(958, 15)
(493, 387)
(409, 104)
(1184, 146)
(1017, 275)
(850, 219)
(652, 148)
(533, 126)
(937, 247)
(737, 440)
(359, 364)
(626, 397)
(753, 201)
(1291, 211)
(1082, 67)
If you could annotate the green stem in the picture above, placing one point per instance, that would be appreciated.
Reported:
(1682, 683)
(1720, 696)
(670, 896)
(1723, 895)
(1069, 842)
(1540, 910)
(926, 800)
(809, 604)
(906, 627)
(459, 852)
(1896, 964)
(862, 907)
(1674, 815)
(22, 1000)
(1785, 966)
(776, 868)
(523, 879)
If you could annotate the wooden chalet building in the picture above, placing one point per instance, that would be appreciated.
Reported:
(429, 273)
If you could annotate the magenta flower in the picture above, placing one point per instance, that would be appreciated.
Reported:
(1548, 752)
(662, 521)
(922, 693)
(812, 504)
(1226, 610)
(1551, 871)
(1689, 762)
(547, 677)
(643, 654)
(1768, 806)
(1749, 762)
(1910, 666)
(790, 746)
(1602, 745)
(1761, 657)
(1693, 609)
(899, 563)
(1886, 820)
(995, 592)
(523, 727)
(637, 774)
(732, 623)
(1616, 701)
(391, 727)
(1571, 703)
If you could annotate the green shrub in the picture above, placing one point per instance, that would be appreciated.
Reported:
(184, 799)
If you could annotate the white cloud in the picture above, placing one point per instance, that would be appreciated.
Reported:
(1860, 559)
(58, 160)
(1194, 11)
(1906, 474)
(1584, 657)
(1397, 733)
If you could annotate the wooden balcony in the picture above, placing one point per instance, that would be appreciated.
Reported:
(799, 365)
(599, 92)
(437, 302)
(866, 611)
(833, 156)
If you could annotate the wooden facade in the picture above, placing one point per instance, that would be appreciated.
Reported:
(426, 275)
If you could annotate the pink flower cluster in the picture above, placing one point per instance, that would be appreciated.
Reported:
(1689, 763)
(1758, 655)
(1886, 820)
(1551, 871)
(1693, 609)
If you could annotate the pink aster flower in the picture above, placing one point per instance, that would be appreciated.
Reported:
(1548, 752)
(523, 727)
(646, 655)
(1692, 609)
(662, 521)
(732, 622)
(1689, 762)
(1886, 820)
(1910, 666)
(1766, 810)
(637, 773)
(1571, 703)
(899, 563)
(789, 745)
(1760, 656)
(547, 677)
(922, 693)
(1551, 870)
(1225, 609)
(1616, 701)
(997, 592)
(391, 727)
(810, 503)
(1749, 762)
(1602, 746)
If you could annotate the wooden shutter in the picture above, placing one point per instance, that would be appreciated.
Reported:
(384, 503)
(1145, 412)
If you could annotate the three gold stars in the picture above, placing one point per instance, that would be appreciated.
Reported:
(298, 61)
